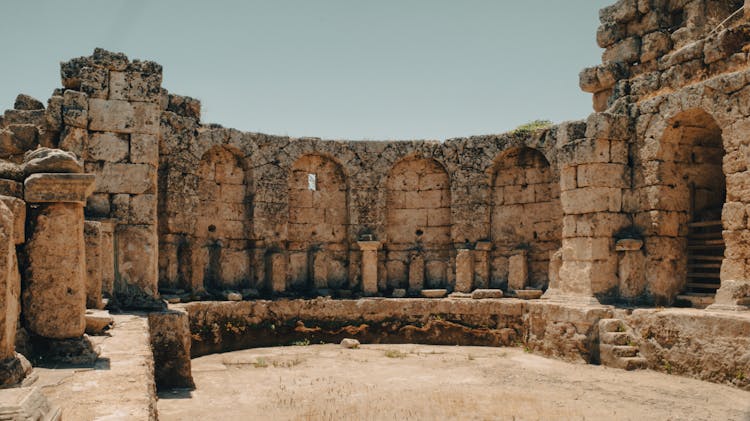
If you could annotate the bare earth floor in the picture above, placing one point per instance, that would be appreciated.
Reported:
(416, 382)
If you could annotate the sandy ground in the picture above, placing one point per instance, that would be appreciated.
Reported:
(417, 382)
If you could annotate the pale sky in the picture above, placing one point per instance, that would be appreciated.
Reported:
(339, 69)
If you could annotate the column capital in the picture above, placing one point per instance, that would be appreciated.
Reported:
(58, 188)
(369, 245)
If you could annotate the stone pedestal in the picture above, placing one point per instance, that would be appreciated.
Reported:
(464, 270)
(369, 266)
(518, 271)
(92, 234)
(482, 264)
(108, 257)
(54, 300)
(416, 273)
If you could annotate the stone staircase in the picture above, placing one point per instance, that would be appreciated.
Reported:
(617, 346)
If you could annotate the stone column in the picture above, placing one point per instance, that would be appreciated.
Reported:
(54, 301)
(464, 270)
(108, 257)
(369, 266)
(11, 370)
(92, 234)
(416, 273)
(482, 264)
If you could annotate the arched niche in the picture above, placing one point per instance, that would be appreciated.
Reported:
(318, 224)
(526, 215)
(418, 224)
(221, 231)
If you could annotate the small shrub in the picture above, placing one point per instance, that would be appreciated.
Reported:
(260, 363)
(394, 353)
(532, 126)
(303, 342)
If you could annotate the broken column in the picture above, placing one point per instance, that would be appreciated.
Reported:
(416, 273)
(11, 367)
(369, 266)
(482, 264)
(108, 257)
(54, 299)
(464, 270)
(92, 233)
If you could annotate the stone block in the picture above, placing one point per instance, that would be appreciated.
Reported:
(75, 109)
(92, 235)
(108, 257)
(137, 261)
(144, 149)
(75, 140)
(108, 147)
(123, 117)
(54, 188)
(11, 188)
(591, 199)
(518, 271)
(98, 322)
(126, 178)
(95, 82)
(433, 293)
(135, 86)
(10, 286)
(464, 270)
(626, 51)
(277, 271)
(586, 248)
(46, 160)
(54, 300)
(369, 266)
(603, 175)
(655, 45)
(18, 208)
(416, 272)
(142, 209)
(480, 294)
(171, 344)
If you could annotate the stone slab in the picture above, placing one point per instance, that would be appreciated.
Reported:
(479, 294)
(434, 293)
(27, 403)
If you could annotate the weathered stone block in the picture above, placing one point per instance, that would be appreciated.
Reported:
(54, 300)
(123, 117)
(591, 199)
(126, 178)
(94, 82)
(144, 149)
(142, 209)
(135, 86)
(75, 140)
(464, 270)
(171, 343)
(137, 261)
(518, 271)
(75, 109)
(92, 235)
(108, 147)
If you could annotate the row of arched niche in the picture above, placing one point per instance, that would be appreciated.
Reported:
(525, 215)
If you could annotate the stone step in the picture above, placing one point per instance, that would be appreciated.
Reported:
(615, 338)
(634, 363)
(697, 300)
(611, 325)
(624, 351)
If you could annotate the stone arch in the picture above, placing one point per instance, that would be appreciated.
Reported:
(525, 216)
(221, 251)
(686, 186)
(318, 224)
(418, 224)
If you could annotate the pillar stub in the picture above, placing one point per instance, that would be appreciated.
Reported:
(369, 266)
(58, 188)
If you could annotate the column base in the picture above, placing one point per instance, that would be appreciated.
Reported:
(14, 370)
(74, 351)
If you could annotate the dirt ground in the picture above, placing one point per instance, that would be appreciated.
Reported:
(416, 382)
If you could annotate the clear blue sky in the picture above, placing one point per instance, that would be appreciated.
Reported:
(342, 69)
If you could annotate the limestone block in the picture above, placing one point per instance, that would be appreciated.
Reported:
(123, 117)
(55, 295)
(53, 188)
(11, 187)
(135, 86)
(142, 209)
(97, 205)
(46, 160)
(369, 266)
(18, 208)
(277, 271)
(586, 248)
(631, 273)
(591, 199)
(655, 45)
(234, 267)
(75, 109)
(464, 270)
(184, 106)
(9, 286)
(126, 178)
(436, 272)
(518, 271)
(416, 272)
(137, 260)
(625, 51)
(92, 235)
(75, 140)
(171, 343)
(27, 102)
(108, 147)
(480, 294)
(144, 149)
(603, 175)
(95, 82)
(108, 257)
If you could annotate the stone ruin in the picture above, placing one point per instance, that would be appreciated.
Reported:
(117, 194)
